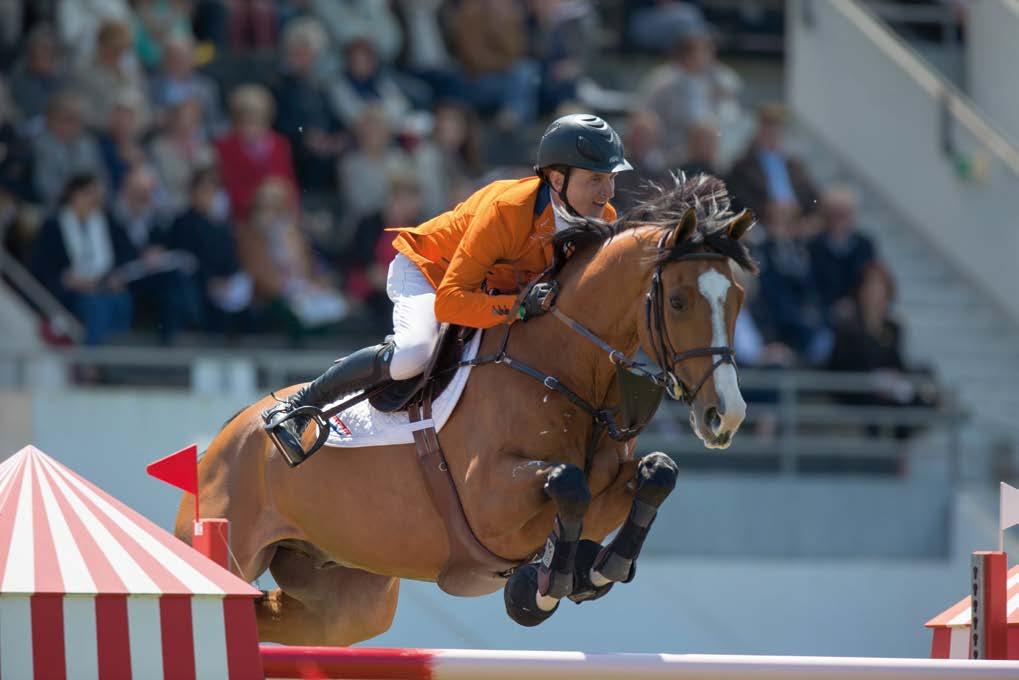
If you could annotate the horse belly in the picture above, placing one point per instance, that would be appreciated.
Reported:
(367, 508)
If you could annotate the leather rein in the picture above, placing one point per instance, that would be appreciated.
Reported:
(664, 352)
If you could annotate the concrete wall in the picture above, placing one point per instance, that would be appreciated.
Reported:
(110, 435)
(734, 564)
(992, 54)
(863, 92)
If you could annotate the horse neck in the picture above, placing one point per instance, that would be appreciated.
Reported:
(604, 293)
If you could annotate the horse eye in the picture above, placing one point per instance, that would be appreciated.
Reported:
(677, 303)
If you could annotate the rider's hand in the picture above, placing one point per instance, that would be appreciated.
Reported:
(534, 302)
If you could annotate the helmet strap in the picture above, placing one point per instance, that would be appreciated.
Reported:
(561, 193)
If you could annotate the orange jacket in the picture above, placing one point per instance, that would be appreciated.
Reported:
(481, 252)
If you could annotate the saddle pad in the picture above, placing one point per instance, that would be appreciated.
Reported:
(362, 425)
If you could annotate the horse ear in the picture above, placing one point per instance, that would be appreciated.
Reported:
(741, 224)
(687, 225)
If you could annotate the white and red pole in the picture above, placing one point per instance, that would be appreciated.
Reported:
(989, 620)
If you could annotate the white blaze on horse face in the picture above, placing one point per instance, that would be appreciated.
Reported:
(715, 286)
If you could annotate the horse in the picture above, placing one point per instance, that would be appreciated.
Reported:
(531, 466)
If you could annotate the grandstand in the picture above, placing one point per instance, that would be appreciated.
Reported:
(243, 158)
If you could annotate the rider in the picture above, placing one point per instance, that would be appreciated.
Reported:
(463, 266)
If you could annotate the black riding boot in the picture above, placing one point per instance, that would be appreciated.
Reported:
(364, 369)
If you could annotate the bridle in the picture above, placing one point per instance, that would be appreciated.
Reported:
(665, 354)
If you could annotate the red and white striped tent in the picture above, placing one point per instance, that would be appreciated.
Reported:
(951, 628)
(89, 588)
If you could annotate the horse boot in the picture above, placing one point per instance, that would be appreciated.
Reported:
(533, 592)
(656, 478)
(286, 422)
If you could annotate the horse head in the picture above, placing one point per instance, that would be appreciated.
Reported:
(687, 297)
(691, 308)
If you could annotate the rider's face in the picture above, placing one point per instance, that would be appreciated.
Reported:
(587, 191)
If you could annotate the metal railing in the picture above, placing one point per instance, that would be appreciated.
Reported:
(49, 307)
(809, 421)
(805, 409)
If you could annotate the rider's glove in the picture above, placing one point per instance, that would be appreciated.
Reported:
(534, 303)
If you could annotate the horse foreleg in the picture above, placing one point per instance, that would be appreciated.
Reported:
(599, 567)
(533, 592)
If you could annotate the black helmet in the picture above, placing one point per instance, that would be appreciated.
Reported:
(584, 141)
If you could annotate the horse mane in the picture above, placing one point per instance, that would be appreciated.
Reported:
(662, 208)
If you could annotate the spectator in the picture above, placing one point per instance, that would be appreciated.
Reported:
(177, 80)
(868, 339)
(112, 69)
(449, 162)
(655, 24)
(691, 87)
(203, 231)
(121, 142)
(425, 51)
(840, 253)
(491, 45)
(278, 258)
(371, 20)
(76, 255)
(642, 139)
(64, 148)
(165, 289)
(251, 24)
(251, 152)
(565, 33)
(79, 21)
(363, 171)
(210, 20)
(365, 263)
(767, 172)
(39, 75)
(180, 150)
(155, 23)
(305, 116)
(365, 81)
(15, 160)
(789, 306)
(754, 350)
(702, 149)
(137, 211)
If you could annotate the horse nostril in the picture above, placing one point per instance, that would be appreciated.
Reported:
(713, 419)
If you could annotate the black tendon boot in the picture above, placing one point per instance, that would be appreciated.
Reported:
(362, 370)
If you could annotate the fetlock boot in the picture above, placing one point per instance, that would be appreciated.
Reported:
(286, 422)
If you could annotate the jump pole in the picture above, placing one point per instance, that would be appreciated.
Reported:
(454, 664)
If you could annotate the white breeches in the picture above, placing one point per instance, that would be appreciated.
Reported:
(415, 330)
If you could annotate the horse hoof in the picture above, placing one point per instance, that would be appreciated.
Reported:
(567, 487)
(583, 589)
(520, 592)
(656, 478)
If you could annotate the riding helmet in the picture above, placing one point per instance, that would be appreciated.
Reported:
(582, 140)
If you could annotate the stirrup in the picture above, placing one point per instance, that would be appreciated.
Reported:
(274, 419)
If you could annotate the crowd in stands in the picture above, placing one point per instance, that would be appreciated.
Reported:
(229, 166)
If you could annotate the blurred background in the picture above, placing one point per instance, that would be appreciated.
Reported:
(234, 163)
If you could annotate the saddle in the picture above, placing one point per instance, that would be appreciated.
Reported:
(439, 371)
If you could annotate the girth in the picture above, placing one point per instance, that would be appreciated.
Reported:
(471, 569)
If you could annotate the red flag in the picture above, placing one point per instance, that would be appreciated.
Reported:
(179, 469)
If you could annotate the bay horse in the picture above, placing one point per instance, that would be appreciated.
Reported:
(529, 464)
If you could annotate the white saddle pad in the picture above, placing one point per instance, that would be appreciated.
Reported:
(362, 425)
